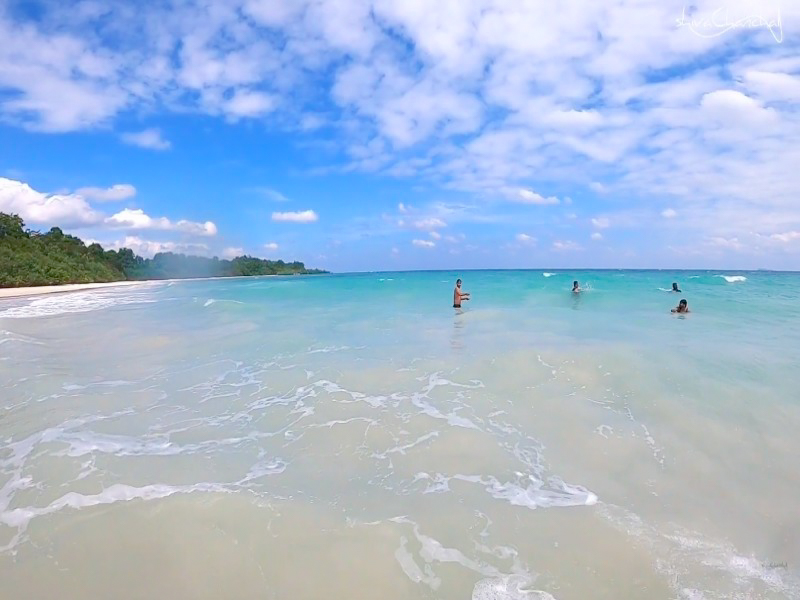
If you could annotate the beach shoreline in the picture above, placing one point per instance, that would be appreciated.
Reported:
(39, 290)
(21, 292)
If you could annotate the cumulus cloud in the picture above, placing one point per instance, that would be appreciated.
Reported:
(480, 97)
(596, 236)
(429, 223)
(149, 248)
(115, 193)
(423, 243)
(524, 238)
(232, 252)
(785, 238)
(151, 139)
(527, 196)
(270, 246)
(733, 107)
(568, 245)
(601, 222)
(435, 235)
(249, 104)
(669, 213)
(726, 243)
(138, 219)
(305, 216)
(64, 210)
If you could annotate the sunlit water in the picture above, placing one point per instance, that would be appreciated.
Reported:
(355, 437)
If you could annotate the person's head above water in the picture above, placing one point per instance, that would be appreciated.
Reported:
(575, 285)
(675, 287)
(458, 283)
(683, 307)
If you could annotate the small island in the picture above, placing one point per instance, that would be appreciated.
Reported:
(30, 258)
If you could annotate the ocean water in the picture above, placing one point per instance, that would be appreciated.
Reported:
(355, 437)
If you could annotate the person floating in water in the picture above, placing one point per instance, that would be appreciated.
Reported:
(575, 287)
(458, 295)
(675, 287)
(683, 307)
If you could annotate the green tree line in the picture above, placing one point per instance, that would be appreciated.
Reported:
(30, 258)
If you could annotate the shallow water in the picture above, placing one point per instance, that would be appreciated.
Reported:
(355, 437)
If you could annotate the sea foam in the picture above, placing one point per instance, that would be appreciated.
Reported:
(733, 278)
(77, 302)
(508, 587)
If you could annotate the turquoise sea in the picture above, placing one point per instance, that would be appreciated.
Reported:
(355, 437)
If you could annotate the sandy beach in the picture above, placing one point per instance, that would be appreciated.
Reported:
(78, 287)
(56, 289)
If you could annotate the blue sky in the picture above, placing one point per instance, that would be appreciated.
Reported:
(381, 135)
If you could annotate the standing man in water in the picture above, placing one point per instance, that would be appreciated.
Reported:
(458, 295)
(675, 287)
(575, 287)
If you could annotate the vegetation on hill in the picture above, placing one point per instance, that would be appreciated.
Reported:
(29, 258)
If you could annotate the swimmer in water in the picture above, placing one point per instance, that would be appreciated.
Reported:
(458, 295)
(683, 307)
(575, 287)
(675, 287)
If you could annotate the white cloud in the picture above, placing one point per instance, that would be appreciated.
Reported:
(423, 243)
(435, 235)
(486, 97)
(305, 216)
(733, 108)
(726, 243)
(598, 187)
(402, 208)
(395, 251)
(785, 238)
(232, 252)
(527, 196)
(149, 138)
(601, 222)
(148, 248)
(249, 104)
(273, 195)
(271, 246)
(120, 191)
(63, 210)
(429, 223)
(524, 238)
(596, 236)
(773, 87)
(138, 219)
(568, 245)
(669, 213)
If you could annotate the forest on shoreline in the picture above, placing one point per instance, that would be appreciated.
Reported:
(32, 258)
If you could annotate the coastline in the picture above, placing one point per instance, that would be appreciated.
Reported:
(39, 290)
(57, 289)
